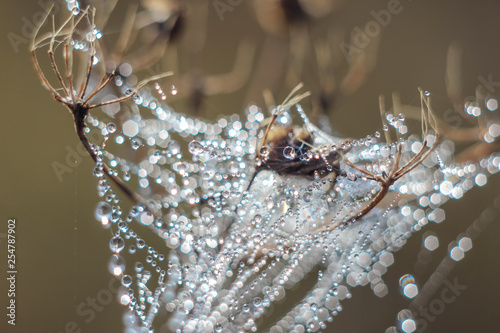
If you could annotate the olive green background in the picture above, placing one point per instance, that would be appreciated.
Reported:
(62, 252)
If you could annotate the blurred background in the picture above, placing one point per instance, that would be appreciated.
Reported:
(62, 251)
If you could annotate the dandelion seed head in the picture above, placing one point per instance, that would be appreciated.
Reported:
(231, 215)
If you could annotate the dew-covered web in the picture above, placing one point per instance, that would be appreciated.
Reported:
(229, 251)
(221, 231)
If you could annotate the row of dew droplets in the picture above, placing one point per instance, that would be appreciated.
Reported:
(116, 243)
(107, 215)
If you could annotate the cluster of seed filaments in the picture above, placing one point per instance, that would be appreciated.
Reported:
(230, 250)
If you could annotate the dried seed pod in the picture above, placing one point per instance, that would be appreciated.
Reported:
(291, 152)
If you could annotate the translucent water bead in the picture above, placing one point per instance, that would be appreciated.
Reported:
(116, 244)
(195, 147)
(103, 212)
(289, 152)
(126, 280)
(116, 265)
(111, 127)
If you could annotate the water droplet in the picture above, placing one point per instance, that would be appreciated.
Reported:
(141, 243)
(123, 226)
(307, 156)
(174, 90)
(126, 176)
(289, 152)
(385, 128)
(377, 134)
(195, 147)
(401, 117)
(102, 187)
(191, 198)
(180, 167)
(97, 33)
(111, 127)
(147, 218)
(137, 99)
(307, 197)
(136, 143)
(233, 168)
(427, 93)
(103, 212)
(186, 248)
(98, 172)
(264, 151)
(129, 92)
(116, 265)
(75, 10)
(207, 175)
(174, 147)
(126, 280)
(116, 244)
(139, 267)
